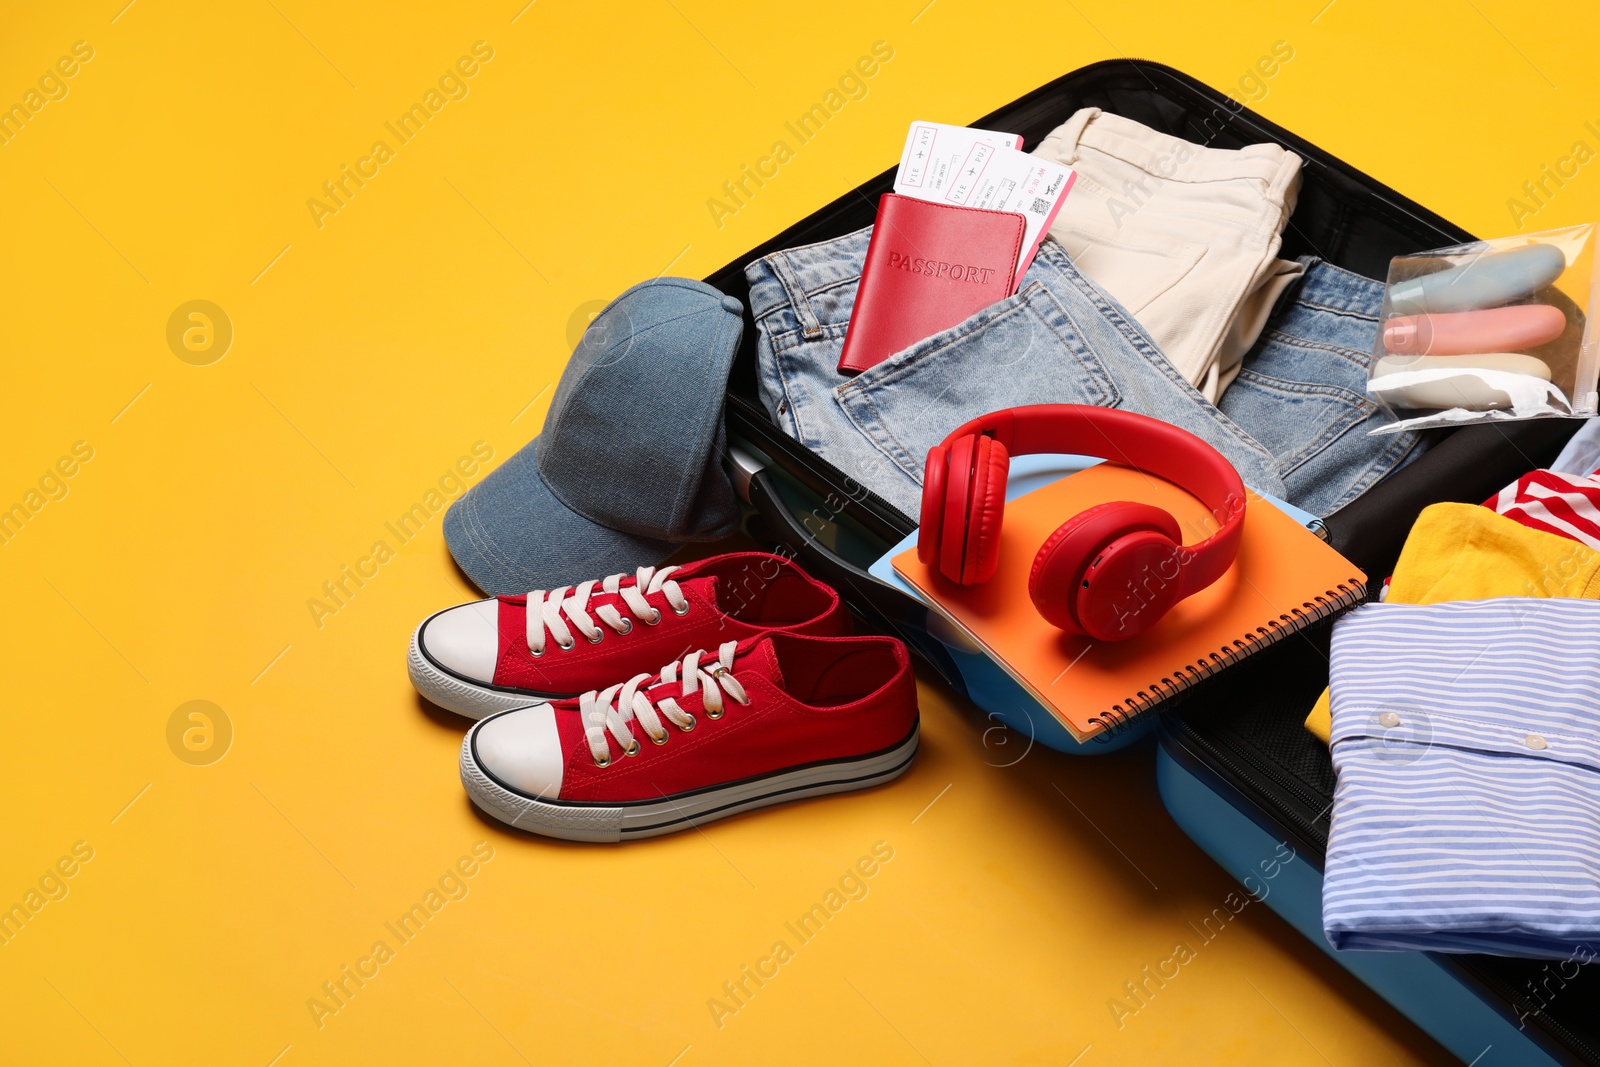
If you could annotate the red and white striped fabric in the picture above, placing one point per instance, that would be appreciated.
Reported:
(1563, 504)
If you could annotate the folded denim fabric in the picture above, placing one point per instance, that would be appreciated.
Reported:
(1185, 236)
(1301, 391)
(1059, 340)
(1294, 423)
(1466, 737)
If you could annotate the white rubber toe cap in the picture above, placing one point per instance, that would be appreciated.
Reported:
(465, 639)
(523, 750)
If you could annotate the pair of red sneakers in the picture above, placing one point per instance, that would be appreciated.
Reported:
(585, 736)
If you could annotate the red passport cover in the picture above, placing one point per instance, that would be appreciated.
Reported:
(928, 267)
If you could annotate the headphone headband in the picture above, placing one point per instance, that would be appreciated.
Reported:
(1142, 443)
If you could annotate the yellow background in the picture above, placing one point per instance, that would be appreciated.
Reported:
(434, 311)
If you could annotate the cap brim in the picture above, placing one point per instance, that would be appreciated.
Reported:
(510, 534)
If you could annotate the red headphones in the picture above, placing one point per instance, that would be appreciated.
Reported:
(1111, 572)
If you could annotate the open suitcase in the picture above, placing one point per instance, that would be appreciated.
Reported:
(1235, 766)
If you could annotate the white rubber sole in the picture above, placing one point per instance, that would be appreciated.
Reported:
(573, 821)
(457, 694)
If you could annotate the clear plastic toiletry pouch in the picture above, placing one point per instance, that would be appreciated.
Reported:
(1489, 331)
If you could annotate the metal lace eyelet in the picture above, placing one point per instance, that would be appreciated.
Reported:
(690, 727)
(659, 740)
(603, 762)
(628, 627)
(599, 635)
(536, 652)
(566, 647)
(654, 619)
(715, 714)
(682, 613)
(632, 749)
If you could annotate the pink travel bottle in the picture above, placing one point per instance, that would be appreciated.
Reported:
(1463, 333)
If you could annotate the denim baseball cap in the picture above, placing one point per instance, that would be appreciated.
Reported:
(629, 463)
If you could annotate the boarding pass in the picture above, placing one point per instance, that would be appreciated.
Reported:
(983, 169)
(934, 151)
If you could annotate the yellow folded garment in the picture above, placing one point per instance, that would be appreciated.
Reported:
(1467, 552)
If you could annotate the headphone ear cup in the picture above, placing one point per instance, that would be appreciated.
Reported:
(957, 508)
(935, 482)
(1059, 584)
(992, 464)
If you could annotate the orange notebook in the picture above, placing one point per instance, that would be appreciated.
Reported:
(1284, 579)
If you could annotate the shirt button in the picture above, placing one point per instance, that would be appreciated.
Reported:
(1388, 718)
(1535, 742)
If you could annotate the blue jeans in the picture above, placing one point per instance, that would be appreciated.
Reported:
(1296, 430)
(1302, 392)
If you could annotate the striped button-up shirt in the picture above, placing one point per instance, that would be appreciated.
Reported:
(1466, 736)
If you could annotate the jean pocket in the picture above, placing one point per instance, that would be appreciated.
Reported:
(1293, 420)
(1021, 350)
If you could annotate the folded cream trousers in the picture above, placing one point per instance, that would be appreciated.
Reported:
(1185, 237)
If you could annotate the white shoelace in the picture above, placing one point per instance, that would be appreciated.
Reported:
(553, 610)
(611, 710)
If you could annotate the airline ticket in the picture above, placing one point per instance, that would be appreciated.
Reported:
(934, 151)
(984, 169)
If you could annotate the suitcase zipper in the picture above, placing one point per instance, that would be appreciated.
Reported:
(1258, 774)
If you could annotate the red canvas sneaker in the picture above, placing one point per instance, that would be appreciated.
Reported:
(511, 651)
(760, 722)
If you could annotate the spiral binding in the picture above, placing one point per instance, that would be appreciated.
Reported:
(1341, 597)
